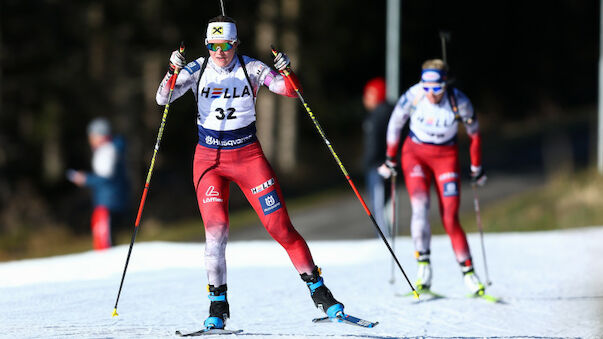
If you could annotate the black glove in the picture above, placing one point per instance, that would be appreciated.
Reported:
(281, 61)
(388, 168)
(478, 176)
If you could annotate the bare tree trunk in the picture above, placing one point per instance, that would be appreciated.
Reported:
(97, 45)
(151, 76)
(52, 155)
(3, 152)
(287, 125)
(1, 62)
(153, 66)
(557, 152)
(266, 102)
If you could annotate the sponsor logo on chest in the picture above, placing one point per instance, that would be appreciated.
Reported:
(440, 119)
(225, 92)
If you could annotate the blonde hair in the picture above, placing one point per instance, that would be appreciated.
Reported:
(435, 64)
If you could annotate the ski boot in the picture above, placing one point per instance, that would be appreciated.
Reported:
(471, 279)
(321, 295)
(423, 271)
(218, 307)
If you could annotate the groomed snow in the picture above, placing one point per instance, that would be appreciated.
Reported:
(552, 283)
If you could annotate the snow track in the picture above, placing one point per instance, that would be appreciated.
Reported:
(552, 283)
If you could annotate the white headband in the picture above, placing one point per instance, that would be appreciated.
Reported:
(221, 31)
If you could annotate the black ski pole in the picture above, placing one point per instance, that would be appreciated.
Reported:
(478, 218)
(172, 83)
(394, 229)
(286, 74)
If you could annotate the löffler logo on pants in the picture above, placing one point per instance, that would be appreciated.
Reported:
(213, 195)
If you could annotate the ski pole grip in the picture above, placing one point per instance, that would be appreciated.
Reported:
(176, 70)
(284, 72)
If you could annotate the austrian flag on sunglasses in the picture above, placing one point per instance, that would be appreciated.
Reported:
(224, 46)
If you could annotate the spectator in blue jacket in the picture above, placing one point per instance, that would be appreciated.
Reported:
(108, 181)
(374, 128)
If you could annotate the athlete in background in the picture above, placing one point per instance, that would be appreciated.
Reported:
(374, 128)
(430, 153)
(108, 181)
(225, 86)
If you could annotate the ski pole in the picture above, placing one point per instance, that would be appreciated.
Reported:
(172, 83)
(286, 74)
(394, 230)
(481, 231)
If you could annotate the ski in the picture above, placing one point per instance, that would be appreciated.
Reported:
(487, 297)
(430, 293)
(347, 319)
(208, 331)
(424, 292)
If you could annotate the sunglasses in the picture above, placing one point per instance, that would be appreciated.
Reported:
(224, 46)
(437, 89)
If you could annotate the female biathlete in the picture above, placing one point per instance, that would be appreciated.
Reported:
(225, 86)
(430, 153)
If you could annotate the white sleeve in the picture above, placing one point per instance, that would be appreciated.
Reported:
(466, 112)
(277, 84)
(400, 116)
(187, 78)
(104, 160)
(262, 74)
(258, 71)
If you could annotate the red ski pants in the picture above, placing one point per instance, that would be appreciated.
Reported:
(213, 170)
(422, 163)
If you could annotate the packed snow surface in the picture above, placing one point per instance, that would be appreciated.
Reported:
(551, 283)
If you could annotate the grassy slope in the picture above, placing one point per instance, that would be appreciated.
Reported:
(565, 202)
(58, 240)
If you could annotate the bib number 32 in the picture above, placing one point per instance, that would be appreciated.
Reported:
(228, 113)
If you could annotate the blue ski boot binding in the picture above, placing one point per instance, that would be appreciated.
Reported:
(321, 295)
(218, 307)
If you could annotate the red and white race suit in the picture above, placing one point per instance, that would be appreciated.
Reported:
(430, 153)
(228, 151)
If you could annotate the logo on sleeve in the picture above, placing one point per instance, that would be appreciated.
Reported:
(192, 67)
(450, 189)
(270, 202)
